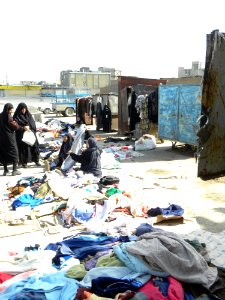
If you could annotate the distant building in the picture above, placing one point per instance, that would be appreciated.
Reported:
(88, 81)
(28, 83)
(196, 70)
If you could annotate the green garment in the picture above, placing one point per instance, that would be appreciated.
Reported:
(112, 191)
(76, 272)
(42, 191)
(109, 260)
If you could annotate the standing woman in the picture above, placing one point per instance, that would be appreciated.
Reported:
(8, 146)
(26, 153)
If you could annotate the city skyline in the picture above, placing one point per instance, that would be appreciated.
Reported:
(141, 38)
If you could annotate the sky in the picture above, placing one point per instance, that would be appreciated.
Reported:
(143, 38)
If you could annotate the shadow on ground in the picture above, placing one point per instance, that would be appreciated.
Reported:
(219, 210)
(210, 225)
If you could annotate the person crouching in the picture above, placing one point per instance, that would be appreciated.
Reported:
(90, 158)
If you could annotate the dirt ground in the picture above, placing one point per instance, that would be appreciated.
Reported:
(166, 176)
(170, 175)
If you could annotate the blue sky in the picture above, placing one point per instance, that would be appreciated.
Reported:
(143, 38)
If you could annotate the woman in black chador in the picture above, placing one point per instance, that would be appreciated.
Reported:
(8, 146)
(26, 153)
(90, 159)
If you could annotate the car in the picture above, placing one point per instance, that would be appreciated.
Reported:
(45, 106)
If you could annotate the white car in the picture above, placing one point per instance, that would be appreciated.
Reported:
(45, 106)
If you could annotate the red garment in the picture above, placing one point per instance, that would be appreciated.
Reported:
(152, 292)
(4, 277)
(175, 290)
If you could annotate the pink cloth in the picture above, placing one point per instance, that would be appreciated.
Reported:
(175, 290)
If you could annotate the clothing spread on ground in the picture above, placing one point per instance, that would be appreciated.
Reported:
(113, 249)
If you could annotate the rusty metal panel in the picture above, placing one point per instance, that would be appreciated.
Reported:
(126, 81)
(179, 109)
(211, 162)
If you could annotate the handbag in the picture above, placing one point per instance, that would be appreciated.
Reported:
(29, 138)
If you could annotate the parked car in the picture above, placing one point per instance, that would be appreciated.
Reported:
(45, 106)
(66, 104)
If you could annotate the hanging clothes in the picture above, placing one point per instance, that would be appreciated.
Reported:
(134, 116)
(99, 116)
(142, 108)
(107, 119)
(85, 110)
(153, 106)
(82, 109)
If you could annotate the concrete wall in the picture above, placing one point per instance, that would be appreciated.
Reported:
(185, 80)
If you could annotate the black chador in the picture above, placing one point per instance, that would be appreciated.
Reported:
(107, 119)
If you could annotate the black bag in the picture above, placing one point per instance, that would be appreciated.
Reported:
(109, 180)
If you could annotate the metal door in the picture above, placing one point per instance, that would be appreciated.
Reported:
(189, 112)
(179, 110)
(168, 112)
(211, 162)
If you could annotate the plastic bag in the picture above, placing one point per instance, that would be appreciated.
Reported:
(67, 164)
(146, 142)
(29, 138)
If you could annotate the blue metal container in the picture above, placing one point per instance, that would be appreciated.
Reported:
(179, 110)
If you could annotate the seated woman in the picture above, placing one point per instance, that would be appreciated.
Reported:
(65, 148)
(63, 153)
(90, 159)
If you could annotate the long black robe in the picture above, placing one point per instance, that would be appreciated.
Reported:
(8, 146)
(134, 115)
(90, 159)
(107, 119)
(26, 153)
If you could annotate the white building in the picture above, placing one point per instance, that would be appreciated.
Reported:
(196, 70)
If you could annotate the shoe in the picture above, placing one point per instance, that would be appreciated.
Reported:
(14, 173)
(24, 166)
(5, 173)
(38, 164)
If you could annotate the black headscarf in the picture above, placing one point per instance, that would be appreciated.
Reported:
(24, 119)
(5, 112)
(92, 143)
(66, 146)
